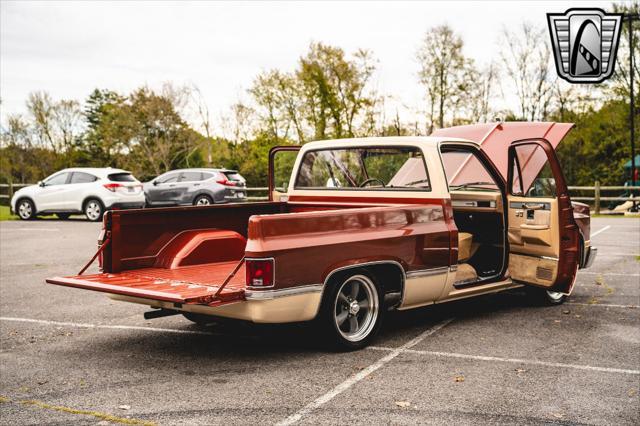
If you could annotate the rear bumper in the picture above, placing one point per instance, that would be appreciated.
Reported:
(590, 256)
(277, 306)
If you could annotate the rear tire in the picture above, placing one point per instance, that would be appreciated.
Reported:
(93, 209)
(202, 200)
(352, 313)
(544, 297)
(25, 209)
(63, 216)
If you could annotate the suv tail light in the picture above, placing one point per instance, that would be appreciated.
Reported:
(226, 182)
(259, 272)
(113, 187)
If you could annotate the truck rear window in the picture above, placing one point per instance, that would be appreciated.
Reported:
(121, 177)
(375, 168)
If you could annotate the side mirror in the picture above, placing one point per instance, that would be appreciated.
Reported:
(41, 184)
(155, 182)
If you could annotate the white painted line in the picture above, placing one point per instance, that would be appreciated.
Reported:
(512, 360)
(617, 254)
(32, 229)
(599, 231)
(604, 305)
(617, 274)
(112, 327)
(294, 418)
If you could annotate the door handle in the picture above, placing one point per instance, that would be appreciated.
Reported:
(534, 206)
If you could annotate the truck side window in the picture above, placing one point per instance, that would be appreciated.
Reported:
(365, 168)
(466, 172)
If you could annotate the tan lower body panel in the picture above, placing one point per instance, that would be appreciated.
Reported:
(535, 270)
(294, 308)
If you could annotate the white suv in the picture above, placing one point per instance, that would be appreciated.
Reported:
(79, 190)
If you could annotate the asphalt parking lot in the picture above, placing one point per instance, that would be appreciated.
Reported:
(71, 356)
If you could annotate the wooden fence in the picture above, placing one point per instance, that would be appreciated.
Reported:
(594, 200)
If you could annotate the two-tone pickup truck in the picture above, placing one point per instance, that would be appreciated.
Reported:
(364, 226)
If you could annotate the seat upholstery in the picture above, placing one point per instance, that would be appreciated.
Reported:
(465, 241)
(466, 273)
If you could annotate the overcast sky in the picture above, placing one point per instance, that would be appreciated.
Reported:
(70, 48)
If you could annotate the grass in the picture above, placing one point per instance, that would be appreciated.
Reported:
(5, 214)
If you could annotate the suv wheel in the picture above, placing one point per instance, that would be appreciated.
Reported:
(202, 200)
(93, 209)
(352, 313)
(25, 209)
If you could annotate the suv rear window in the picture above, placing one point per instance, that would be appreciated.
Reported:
(233, 176)
(121, 177)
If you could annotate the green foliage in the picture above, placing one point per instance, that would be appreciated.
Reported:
(598, 146)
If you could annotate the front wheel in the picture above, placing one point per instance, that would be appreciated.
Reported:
(94, 210)
(352, 314)
(25, 209)
(202, 200)
(543, 296)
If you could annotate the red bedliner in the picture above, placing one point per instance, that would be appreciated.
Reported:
(190, 284)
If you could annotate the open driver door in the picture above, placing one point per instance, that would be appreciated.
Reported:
(543, 236)
(281, 161)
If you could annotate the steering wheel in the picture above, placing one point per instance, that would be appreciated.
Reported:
(370, 180)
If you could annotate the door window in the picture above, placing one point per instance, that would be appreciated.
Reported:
(169, 178)
(80, 177)
(466, 172)
(532, 173)
(59, 179)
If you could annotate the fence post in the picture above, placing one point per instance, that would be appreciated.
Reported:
(597, 197)
(10, 190)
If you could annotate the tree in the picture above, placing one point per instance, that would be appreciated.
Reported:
(620, 83)
(526, 63)
(442, 73)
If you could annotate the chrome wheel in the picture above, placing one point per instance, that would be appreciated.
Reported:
(93, 210)
(554, 295)
(25, 210)
(203, 201)
(356, 308)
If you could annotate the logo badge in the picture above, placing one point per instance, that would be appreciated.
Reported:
(585, 42)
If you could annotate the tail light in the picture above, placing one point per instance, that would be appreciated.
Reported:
(113, 187)
(226, 182)
(259, 272)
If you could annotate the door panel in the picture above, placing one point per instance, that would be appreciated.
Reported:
(543, 236)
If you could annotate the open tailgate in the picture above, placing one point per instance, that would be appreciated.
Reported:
(197, 284)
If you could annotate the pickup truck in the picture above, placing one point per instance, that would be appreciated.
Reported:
(363, 227)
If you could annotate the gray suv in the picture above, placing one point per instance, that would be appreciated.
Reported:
(195, 187)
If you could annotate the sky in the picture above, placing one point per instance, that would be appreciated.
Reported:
(70, 48)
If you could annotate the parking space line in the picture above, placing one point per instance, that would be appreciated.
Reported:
(113, 327)
(604, 305)
(599, 231)
(32, 229)
(318, 402)
(617, 274)
(512, 360)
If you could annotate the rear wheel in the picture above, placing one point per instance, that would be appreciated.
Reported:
(94, 210)
(202, 200)
(351, 314)
(26, 209)
(63, 216)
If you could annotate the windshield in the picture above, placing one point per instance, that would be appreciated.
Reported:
(392, 168)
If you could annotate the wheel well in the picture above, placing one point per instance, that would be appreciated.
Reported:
(89, 198)
(24, 197)
(389, 275)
